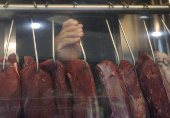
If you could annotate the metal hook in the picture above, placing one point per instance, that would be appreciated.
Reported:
(35, 47)
(74, 3)
(146, 6)
(124, 4)
(6, 4)
(127, 42)
(165, 25)
(53, 45)
(110, 4)
(35, 5)
(149, 42)
(113, 44)
(7, 45)
(167, 4)
(84, 54)
(47, 3)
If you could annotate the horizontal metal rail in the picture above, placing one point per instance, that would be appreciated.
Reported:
(70, 7)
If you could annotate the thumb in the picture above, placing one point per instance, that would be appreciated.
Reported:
(67, 42)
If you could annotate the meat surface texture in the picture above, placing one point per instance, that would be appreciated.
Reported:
(151, 81)
(62, 91)
(83, 89)
(164, 63)
(10, 89)
(37, 91)
(139, 107)
(113, 92)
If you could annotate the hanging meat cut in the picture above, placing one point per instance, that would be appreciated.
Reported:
(62, 90)
(139, 107)
(10, 88)
(83, 89)
(151, 81)
(37, 91)
(113, 92)
(164, 62)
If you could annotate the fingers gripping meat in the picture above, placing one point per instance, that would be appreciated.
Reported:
(83, 89)
(139, 107)
(114, 96)
(62, 90)
(10, 88)
(37, 91)
(67, 41)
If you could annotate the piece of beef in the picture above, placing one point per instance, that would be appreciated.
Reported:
(83, 89)
(164, 63)
(10, 88)
(62, 90)
(113, 92)
(37, 91)
(151, 81)
(12, 58)
(138, 105)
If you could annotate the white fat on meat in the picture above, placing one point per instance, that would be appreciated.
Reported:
(164, 63)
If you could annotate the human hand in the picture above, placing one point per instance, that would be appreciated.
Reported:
(67, 42)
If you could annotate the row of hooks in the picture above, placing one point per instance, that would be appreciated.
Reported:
(123, 3)
(127, 42)
(84, 54)
(75, 4)
(35, 47)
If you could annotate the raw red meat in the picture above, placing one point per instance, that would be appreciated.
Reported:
(37, 91)
(113, 92)
(83, 89)
(151, 81)
(10, 89)
(164, 63)
(139, 107)
(62, 90)
(12, 58)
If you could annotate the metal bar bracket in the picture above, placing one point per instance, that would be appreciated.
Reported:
(111, 5)
(167, 4)
(6, 4)
(146, 6)
(47, 3)
(124, 4)
(35, 5)
(75, 4)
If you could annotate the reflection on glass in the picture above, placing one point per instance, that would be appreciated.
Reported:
(143, 17)
(35, 25)
(11, 45)
(156, 34)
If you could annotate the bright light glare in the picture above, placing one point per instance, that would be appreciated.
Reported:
(35, 25)
(11, 45)
(156, 34)
(144, 17)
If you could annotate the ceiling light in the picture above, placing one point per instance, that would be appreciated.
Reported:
(11, 45)
(35, 25)
(144, 17)
(156, 34)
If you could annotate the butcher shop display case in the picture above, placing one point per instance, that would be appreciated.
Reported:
(85, 59)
